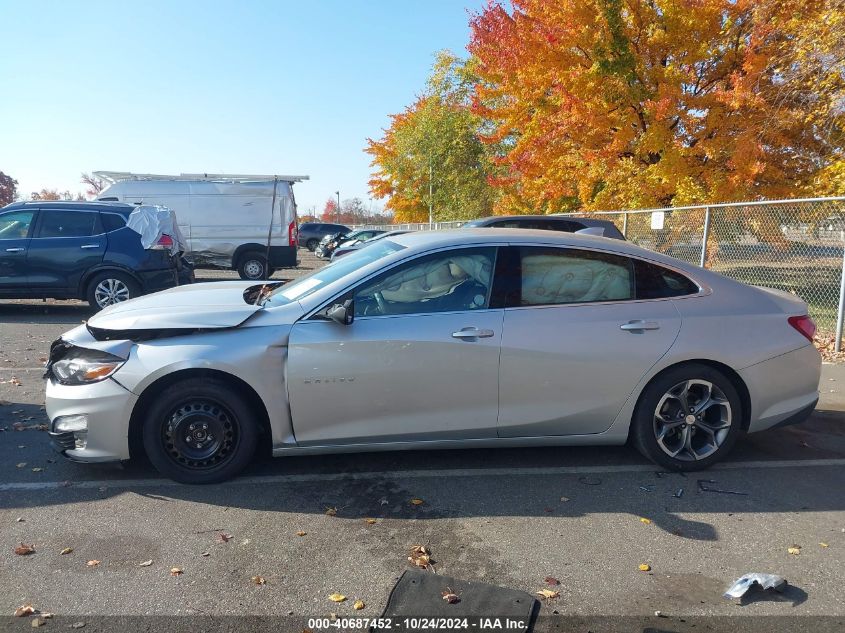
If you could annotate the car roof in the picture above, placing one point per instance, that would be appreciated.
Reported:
(531, 218)
(424, 240)
(76, 205)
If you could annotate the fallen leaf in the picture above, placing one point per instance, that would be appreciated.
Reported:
(258, 580)
(20, 520)
(206, 554)
(548, 594)
(383, 501)
(66, 551)
(450, 596)
(246, 541)
(36, 622)
(337, 597)
(24, 549)
(795, 550)
(331, 512)
(417, 502)
(92, 563)
(37, 470)
(564, 499)
(21, 465)
(359, 604)
(301, 533)
(224, 537)
(77, 625)
(420, 556)
(370, 521)
(175, 571)
(645, 567)
(24, 610)
(551, 580)
(644, 520)
(47, 616)
(824, 545)
(146, 563)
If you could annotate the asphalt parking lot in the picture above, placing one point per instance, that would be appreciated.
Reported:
(314, 526)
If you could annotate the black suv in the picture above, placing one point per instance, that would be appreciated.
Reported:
(567, 224)
(81, 250)
(311, 233)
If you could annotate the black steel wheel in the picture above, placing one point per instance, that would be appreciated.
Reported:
(200, 431)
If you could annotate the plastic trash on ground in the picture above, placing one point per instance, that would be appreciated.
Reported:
(764, 581)
(153, 221)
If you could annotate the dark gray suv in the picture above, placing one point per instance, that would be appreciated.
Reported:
(311, 233)
(567, 224)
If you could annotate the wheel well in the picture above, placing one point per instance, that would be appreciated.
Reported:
(88, 276)
(245, 249)
(136, 421)
(730, 374)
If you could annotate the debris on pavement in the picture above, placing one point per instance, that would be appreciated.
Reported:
(645, 567)
(337, 597)
(176, 571)
(146, 563)
(24, 549)
(703, 486)
(794, 549)
(417, 502)
(66, 551)
(548, 594)
(746, 582)
(421, 557)
(93, 563)
(644, 520)
(678, 493)
(589, 481)
(36, 622)
(649, 488)
(24, 611)
(258, 580)
(359, 604)
(552, 581)
(224, 537)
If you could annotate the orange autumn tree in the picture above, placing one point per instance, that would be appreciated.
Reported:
(641, 103)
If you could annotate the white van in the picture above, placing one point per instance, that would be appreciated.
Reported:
(228, 220)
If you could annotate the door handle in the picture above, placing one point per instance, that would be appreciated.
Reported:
(90, 246)
(472, 332)
(638, 326)
(17, 249)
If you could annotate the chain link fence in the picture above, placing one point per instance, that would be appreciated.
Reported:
(791, 245)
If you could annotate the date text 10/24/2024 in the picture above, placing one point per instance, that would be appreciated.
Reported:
(419, 624)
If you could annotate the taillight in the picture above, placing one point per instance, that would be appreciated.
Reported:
(804, 325)
(292, 234)
(165, 243)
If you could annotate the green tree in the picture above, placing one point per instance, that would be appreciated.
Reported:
(434, 146)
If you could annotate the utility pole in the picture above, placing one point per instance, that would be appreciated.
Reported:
(430, 194)
(337, 209)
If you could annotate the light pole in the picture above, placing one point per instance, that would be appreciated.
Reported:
(337, 209)
(430, 194)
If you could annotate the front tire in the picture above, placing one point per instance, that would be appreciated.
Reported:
(253, 266)
(687, 418)
(109, 288)
(200, 431)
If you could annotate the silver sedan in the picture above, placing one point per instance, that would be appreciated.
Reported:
(471, 338)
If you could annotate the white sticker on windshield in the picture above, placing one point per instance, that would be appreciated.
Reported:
(301, 288)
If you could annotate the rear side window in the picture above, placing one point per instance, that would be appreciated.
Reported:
(56, 223)
(656, 282)
(550, 276)
(112, 221)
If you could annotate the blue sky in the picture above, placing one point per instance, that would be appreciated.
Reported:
(289, 87)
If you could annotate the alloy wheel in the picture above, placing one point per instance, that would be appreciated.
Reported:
(111, 291)
(692, 420)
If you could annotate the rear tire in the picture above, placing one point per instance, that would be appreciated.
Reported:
(252, 266)
(200, 431)
(687, 418)
(109, 288)
(311, 245)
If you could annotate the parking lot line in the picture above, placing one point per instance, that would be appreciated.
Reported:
(415, 474)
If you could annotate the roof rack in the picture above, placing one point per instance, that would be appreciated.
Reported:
(115, 176)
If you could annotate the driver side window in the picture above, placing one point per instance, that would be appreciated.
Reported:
(449, 281)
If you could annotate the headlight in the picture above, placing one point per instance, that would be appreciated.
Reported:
(84, 366)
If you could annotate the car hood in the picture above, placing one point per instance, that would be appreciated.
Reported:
(217, 304)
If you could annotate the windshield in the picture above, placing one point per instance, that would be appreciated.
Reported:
(309, 284)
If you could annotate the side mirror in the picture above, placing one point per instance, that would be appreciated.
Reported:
(343, 313)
